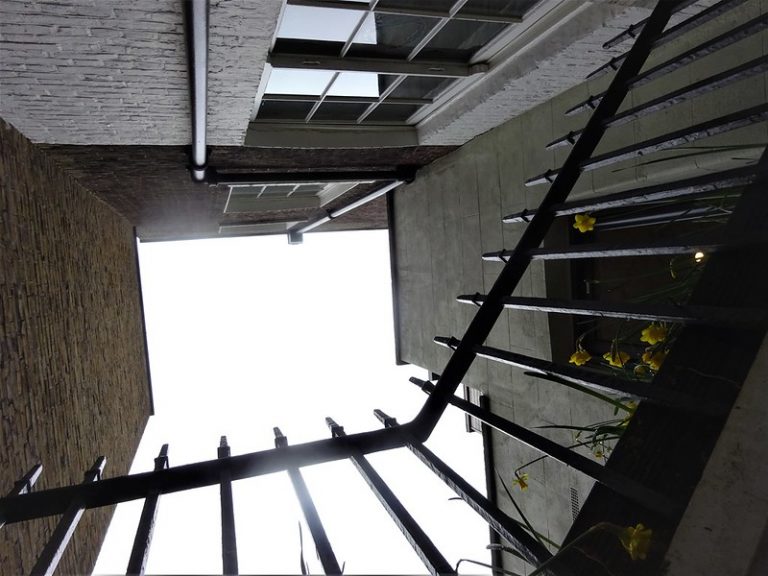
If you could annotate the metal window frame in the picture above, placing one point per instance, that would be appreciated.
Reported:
(402, 69)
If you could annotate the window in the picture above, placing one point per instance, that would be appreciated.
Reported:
(288, 196)
(376, 66)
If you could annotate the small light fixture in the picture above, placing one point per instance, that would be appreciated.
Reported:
(699, 256)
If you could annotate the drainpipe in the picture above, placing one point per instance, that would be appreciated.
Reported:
(197, 51)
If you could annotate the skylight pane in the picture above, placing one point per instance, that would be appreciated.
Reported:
(309, 23)
(355, 84)
(303, 82)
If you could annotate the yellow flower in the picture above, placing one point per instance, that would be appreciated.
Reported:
(580, 357)
(632, 407)
(636, 540)
(521, 480)
(654, 333)
(654, 359)
(616, 358)
(584, 222)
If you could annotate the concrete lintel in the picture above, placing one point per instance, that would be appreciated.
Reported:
(329, 136)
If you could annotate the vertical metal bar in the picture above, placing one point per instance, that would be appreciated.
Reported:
(143, 540)
(490, 484)
(228, 536)
(54, 549)
(508, 528)
(434, 561)
(24, 484)
(489, 312)
(322, 544)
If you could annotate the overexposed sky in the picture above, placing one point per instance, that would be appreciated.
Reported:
(250, 333)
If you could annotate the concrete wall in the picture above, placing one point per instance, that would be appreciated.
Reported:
(72, 359)
(452, 213)
(115, 72)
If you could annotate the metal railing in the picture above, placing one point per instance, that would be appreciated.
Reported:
(621, 490)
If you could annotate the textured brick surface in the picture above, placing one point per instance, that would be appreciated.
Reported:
(115, 72)
(151, 186)
(73, 381)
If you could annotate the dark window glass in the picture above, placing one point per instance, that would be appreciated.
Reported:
(391, 113)
(443, 5)
(278, 189)
(421, 87)
(271, 110)
(338, 111)
(459, 39)
(396, 36)
(499, 7)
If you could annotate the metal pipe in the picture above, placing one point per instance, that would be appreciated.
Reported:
(197, 29)
(349, 207)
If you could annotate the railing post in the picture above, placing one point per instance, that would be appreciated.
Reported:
(531, 549)
(143, 540)
(322, 544)
(417, 538)
(24, 484)
(54, 549)
(228, 536)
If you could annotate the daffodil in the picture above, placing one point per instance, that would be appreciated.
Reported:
(654, 358)
(521, 480)
(654, 333)
(636, 541)
(616, 358)
(632, 407)
(580, 357)
(584, 222)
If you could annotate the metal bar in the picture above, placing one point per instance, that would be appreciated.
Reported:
(322, 544)
(658, 192)
(24, 484)
(143, 540)
(197, 33)
(349, 207)
(218, 179)
(534, 233)
(345, 99)
(720, 125)
(680, 314)
(497, 558)
(51, 555)
(508, 528)
(635, 29)
(435, 30)
(617, 482)
(710, 84)
(706, 243)
(228, 534)
(442, 68)
(705, 48)
(413, 10)
(590, 379)
(698, 19)
(421, 543)
(383, 96)
(321, 98)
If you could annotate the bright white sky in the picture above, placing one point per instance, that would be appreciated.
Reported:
(250, 333)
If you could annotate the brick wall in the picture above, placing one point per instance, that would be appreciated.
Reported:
(73, 381)
(151, 187)
(115, 72)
